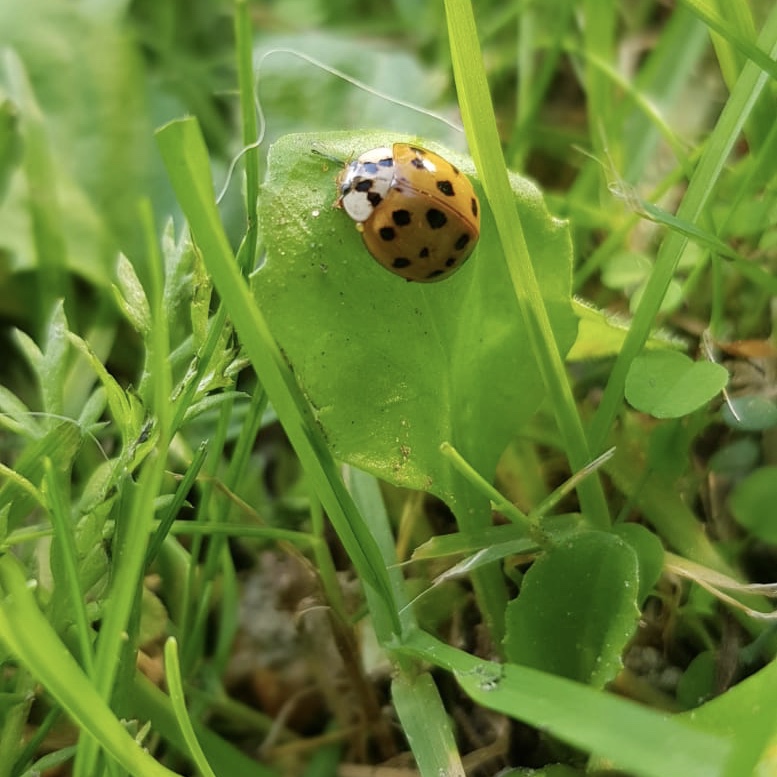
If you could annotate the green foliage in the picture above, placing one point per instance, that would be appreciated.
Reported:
(400, 368)
(244, 434)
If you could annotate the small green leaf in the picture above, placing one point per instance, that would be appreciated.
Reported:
(626, 271)
(53, 367)
(672, 298)
(577, 609)
(752, 503)
(736, 459)
(751, 413)
(60, 444)
(667, 384)
(698, 681)
(131, 297)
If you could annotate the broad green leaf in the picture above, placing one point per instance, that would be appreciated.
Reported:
(577, 609)
(667, 384)
(393, 369)
(752, 503)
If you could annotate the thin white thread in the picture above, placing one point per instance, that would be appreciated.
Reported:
(332, 71)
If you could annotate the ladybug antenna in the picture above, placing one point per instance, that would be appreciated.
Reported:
(319, 152)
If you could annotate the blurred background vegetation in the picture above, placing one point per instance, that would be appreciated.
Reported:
(83, 86)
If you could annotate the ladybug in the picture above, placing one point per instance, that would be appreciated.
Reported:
(418, 214)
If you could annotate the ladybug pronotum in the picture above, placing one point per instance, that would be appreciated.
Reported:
(418, 214)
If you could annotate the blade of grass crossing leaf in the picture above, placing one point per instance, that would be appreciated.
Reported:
(479, 121)
(365, 490)
(749, 87)
(185, 155)
(634, 738)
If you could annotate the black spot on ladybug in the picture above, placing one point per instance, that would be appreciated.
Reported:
(418, 163)
(370, 167)
(436, 218)
(446, 187)
(435, 273)
(474, 207)
(387, 233)
(374, 198)
(401, 217)
(400, 262)
(450, 261)
(416, 150)
(386, 162)
(461, 242)
(364, 186)
(423, 253)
